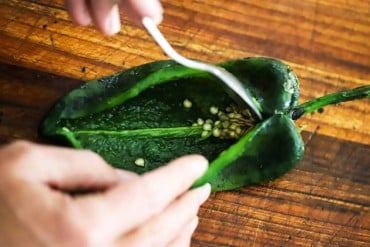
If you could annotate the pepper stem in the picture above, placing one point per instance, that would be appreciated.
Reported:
(334, 98)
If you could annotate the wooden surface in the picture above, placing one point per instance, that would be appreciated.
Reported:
(324, 201)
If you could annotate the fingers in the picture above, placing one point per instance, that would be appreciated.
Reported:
(137, 9)
(60, 168)
(147, 196)
(105, 13)
(184, 237)
(131, 205)
(126, 175)
(162, 228)
(79, 11)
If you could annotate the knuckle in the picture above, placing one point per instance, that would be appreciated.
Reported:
(78, 237)
(81, 237)
(20, 145)
(12, 159)
(17, 154)
(75, 231)
(91, 155)
(152, 202)
(88, 152)
(22, 149)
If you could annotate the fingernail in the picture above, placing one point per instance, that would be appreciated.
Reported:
(200, 166)
(113, 22)
(203, 193)
(157, 12)
(86, 18)
(158, 19)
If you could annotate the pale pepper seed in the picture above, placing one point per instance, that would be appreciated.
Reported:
(233, 123)
(207, 126)
(187, 103)
(200, 121)
(140, 162)
(213, 110)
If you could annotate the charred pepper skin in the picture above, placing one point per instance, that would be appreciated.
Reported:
(139, 114)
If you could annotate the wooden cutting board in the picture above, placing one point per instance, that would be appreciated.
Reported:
(324, 201)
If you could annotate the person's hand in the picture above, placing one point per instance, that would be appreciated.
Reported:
(53, 196)
(105, 13)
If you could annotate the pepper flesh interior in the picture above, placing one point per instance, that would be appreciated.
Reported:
(141, 114)
(157, 127)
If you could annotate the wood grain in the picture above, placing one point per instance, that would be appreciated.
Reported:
(325, 201)
(326, 43)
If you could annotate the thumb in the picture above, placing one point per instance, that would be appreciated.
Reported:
(137, 9)
(62, 168)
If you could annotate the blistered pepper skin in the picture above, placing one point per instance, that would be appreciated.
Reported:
(271, 150)
(138, 114)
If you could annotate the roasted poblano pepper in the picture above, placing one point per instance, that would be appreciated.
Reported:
(146, 116)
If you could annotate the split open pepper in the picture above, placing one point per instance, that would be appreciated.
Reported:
(144, 117)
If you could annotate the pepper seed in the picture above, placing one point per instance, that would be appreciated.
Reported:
(216, 133)
(207, 126)
(140, 162)
(213, 110)
(187, 103)
(209, 121)
(205, 133)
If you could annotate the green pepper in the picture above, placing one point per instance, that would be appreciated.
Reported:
(146, 116)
